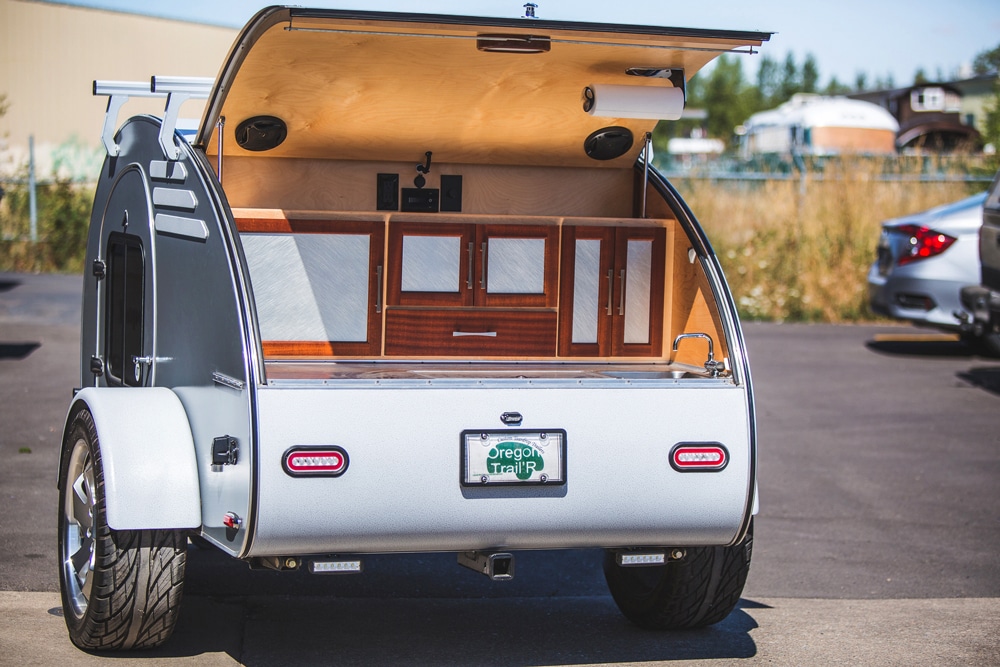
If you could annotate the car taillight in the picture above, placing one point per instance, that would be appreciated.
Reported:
(924, 243)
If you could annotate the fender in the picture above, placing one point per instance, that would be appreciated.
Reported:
(148, 457)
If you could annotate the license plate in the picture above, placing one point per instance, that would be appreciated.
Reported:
(513, 457)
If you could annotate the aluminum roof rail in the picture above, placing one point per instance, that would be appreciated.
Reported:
(177, 90)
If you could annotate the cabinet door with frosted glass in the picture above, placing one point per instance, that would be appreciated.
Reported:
(611, 301)
(468, 265)
(317, 285)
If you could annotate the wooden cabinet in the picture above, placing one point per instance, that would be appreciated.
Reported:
(471, 290)
(471, 265)
(317, 285)
(611, 301)
(455, 286)
(492, 332)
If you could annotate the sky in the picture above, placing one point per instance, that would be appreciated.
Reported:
(880, 38)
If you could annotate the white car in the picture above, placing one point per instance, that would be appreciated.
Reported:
(924, 260)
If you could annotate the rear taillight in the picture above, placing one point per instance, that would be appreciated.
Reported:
(924, 243)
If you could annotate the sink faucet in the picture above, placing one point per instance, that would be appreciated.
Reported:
(712, 366)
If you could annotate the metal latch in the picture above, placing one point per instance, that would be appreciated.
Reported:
(225, 451)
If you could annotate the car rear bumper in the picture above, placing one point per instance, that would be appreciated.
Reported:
(918, 300)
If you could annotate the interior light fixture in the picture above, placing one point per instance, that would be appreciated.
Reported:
(513, 43)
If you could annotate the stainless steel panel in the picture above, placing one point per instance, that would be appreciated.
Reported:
(637, 290)
(402, 492)
(311, 287)
(431, 263)
(586, 290)
(515, 266)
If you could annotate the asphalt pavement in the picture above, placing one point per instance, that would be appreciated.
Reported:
(876, 544)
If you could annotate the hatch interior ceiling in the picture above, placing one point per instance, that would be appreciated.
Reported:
(389, 87)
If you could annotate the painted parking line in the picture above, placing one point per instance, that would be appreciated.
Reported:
(917, 338)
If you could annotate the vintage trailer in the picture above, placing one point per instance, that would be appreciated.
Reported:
(413, 286)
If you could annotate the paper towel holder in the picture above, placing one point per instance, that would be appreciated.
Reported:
(675, 75)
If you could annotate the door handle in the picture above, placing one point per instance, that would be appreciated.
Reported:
(621, 295)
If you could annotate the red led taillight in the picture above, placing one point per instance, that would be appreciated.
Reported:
(315, 461)
(924, 243)
(692, 457)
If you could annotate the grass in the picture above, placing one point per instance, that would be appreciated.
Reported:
(802, 253)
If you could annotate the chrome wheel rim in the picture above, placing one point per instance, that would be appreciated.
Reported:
(78, 528)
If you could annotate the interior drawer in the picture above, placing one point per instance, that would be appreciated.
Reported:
(470, 332)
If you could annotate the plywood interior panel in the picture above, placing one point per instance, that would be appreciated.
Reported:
(336, 185)
(383, 90)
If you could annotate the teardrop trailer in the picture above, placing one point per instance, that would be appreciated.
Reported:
(413, 286)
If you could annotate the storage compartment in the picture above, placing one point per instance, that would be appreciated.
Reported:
(317, 284)
(483, 265)
(399, 285)
(473, 333)
(612, 291)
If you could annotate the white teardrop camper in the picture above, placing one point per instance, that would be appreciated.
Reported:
(413, 286)
(811, 124)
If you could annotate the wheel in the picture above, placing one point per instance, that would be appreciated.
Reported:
(990, 343)
(121, 589)
(986, 344)
(699, 589)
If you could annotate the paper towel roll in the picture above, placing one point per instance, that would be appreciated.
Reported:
(615, 101)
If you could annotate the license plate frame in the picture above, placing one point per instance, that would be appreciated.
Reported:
(512, 457)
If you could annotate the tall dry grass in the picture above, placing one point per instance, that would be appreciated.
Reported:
(802, 253)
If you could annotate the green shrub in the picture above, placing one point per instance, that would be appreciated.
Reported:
(63, 220)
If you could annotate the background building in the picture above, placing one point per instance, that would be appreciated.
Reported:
(937, 117)
(51, 53)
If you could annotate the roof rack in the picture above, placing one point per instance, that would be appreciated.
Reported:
(176, 89)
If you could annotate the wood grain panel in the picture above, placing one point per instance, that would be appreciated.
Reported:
(333, 185)
(422, 332)
(371, 91)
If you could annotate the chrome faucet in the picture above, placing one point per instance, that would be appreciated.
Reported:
(712, 366)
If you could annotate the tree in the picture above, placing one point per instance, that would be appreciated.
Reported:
(810, 74)
(790, 82)
(727, 98)
(920, 77)
(835, 87)
(986, 62)
(768, 83)
(860, 81)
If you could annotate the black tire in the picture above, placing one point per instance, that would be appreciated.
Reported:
(121, 589)
(700, 589)
(990, 344)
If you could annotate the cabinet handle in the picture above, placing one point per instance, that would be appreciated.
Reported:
(468, 279)
(482, 269)
(621, 295)
(489, 334)
(378, 289)
(611, 287)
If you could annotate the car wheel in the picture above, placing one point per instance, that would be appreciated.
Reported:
(121, 589)
(991, 344)
(699, 589)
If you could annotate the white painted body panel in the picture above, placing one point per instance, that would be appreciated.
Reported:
(401, 491)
